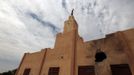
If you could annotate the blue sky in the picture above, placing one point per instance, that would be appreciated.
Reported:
(30, 25)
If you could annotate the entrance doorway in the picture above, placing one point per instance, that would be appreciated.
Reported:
(86, 70)
(121, 69)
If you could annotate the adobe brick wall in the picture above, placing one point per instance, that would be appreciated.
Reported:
(127, 40)
(33, 61)
(113, 49)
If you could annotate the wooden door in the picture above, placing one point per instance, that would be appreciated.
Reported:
(86, 70)
(53, 71)
(121, 69)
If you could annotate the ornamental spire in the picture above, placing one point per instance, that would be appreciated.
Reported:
(72, 12)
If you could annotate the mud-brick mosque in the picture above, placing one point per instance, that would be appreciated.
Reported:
(112, 55)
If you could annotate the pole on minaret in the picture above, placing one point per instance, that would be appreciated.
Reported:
(72, 12)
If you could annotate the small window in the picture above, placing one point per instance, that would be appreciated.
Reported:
(53, 71)
(86, 70)
(27, 71)
(121, 69)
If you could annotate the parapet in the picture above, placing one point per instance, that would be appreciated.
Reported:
(58, 34)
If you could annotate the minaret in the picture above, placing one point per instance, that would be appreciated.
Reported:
(70, 32)
(70, 24)
(67, 42)
(71, 29)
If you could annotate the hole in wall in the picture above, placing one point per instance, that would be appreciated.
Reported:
(100, 56)
(61, 57)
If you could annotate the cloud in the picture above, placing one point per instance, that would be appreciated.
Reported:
(28, 26)
(114, 16)
(64, 5)
(44, 23)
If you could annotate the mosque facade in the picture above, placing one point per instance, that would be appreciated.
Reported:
(112, 55)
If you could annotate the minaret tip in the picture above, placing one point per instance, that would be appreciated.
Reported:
(72, 12)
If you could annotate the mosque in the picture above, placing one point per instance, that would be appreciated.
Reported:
(112, 55)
